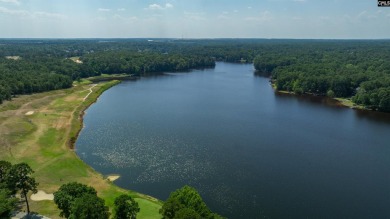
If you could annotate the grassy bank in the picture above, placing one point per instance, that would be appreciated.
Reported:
(110, 77)
(348, 103)
(38, 129)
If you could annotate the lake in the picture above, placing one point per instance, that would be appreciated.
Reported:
(251, 153)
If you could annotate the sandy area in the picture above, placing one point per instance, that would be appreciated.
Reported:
(113, 177)
(13, 57)
(29, 113)
(76, 59)
(41, 195)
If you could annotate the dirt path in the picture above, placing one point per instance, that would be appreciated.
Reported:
(90, 91)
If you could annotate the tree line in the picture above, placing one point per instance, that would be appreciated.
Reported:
(28, 66)
(114, 62)
(356, 70)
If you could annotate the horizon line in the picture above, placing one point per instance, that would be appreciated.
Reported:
(181, 38)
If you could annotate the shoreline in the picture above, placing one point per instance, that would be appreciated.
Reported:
(43, 141)
(93, 98)
(80, 110)
(344, 102)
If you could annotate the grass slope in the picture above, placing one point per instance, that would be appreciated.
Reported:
(43, 140)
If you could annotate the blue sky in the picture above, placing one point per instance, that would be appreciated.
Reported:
(329, 19)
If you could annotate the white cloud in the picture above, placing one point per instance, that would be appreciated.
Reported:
(124, 18)
(13, 12)
(155, 7)
(31, 14)
(263, 16)
(159, 7)
(16, 2)
(104, 10)
(198, 16)
(121, 9)
(223, 17)
(362, 14)
(48, 15)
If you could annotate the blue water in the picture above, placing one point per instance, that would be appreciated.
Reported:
(250, 153)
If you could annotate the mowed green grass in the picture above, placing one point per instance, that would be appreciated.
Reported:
(43, 141)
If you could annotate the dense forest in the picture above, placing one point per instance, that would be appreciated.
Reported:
(356, 69)
(359, 70)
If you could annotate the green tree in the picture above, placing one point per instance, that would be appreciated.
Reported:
(4, 168)
(185, 198)
(67, 193)
(330, 93)
(89, 206)
(187, 213)
(19, 179)
(7, 203)
(125, 207)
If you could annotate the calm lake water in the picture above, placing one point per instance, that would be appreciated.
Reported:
(249, 152)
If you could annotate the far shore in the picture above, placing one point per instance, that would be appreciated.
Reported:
(345, 102)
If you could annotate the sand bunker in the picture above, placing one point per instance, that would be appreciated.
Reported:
(13, 57)
(41, 195)
(113, 177)
(29, 113)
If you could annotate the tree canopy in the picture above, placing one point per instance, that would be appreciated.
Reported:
(7, 202)
(5, 166)
(186, 202)
(68, 193)
(19, 179)
(125, 207)
(347, 69)
(89, 206)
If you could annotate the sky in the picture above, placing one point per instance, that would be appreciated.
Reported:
(298, 19)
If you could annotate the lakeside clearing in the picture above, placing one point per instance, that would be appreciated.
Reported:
(346, 102)
(43, 139)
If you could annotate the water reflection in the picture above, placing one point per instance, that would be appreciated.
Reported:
(335, 105)
(262, 74)
(373, 115)
(310, 99)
